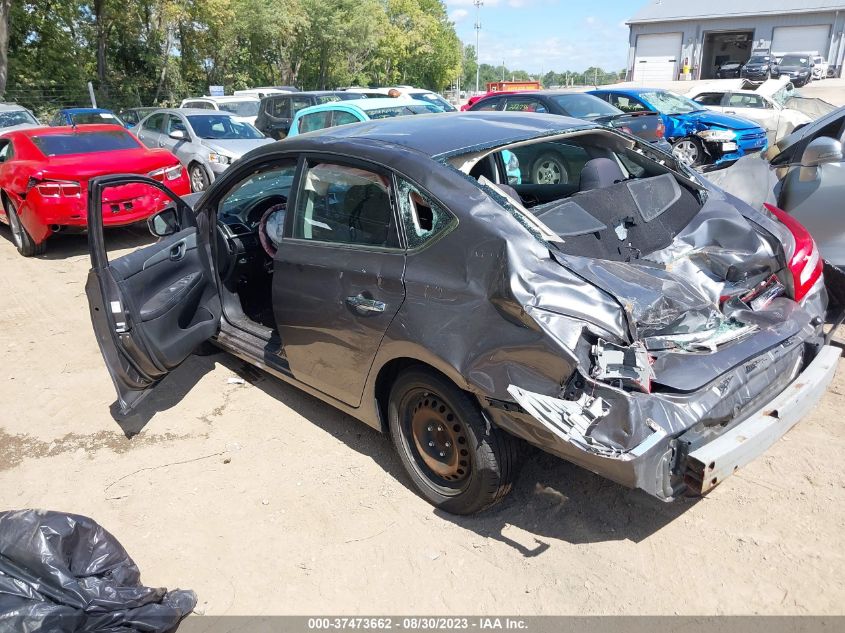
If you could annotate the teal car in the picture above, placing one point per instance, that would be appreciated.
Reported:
(336, 113)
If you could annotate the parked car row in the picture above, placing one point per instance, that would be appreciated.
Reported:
(800, 68)
(698, 136)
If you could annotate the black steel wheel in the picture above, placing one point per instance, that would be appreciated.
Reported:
(456, 460)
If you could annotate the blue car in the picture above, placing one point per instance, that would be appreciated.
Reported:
(698, 136)
(84, 116)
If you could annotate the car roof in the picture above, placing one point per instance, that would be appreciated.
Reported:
(69, 129)
(629, 91)
(194, 112)
(11, 107)
(362, 105)
(84, 110)
(227, 98)
(436, 134)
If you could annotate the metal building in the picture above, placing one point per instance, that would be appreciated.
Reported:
(668, 35)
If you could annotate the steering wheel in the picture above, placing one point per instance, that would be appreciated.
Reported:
(270, 227)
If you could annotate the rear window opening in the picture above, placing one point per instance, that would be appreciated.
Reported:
(599, 194)
(84, 142)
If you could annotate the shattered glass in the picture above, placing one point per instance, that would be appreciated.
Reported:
(422, 217)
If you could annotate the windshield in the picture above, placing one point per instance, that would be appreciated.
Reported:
(222, 127)
(434, 99)
(16, 117)
(240, 108)
(585, 106)
(88, 118)
(669, 103)
(402, 110)
(760, 60)
(795, 60)
(84, 142)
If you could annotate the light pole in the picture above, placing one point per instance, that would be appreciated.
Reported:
(478, 4)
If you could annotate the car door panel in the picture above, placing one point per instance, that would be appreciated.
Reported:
(151, 308)
(817, 204)
(333, 306)
(334, 301)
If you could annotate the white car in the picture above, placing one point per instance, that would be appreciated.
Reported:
(260, 92)
(15, 117)
(820, 66)
(409, 92)
(766, 106)
(241, 108)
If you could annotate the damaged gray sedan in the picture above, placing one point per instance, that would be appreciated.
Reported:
(634, 321)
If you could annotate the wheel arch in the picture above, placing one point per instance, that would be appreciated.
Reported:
(199, 163)
(388, 373)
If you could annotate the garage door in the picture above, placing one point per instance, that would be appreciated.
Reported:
(656, 57)
(801, 39)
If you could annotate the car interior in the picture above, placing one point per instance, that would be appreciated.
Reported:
(336, 203)
(245, 265)
(611, 201)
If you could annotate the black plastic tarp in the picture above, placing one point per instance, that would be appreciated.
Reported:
(63, 572)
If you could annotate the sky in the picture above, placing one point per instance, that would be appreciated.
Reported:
(543, 35)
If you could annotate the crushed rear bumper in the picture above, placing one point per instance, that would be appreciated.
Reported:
(712, 462)
(666, 465)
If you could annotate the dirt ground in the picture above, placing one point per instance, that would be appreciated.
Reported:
(266, 501)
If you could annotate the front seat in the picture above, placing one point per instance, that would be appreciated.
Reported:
(599, 173)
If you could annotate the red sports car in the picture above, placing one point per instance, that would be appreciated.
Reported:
(44, 176)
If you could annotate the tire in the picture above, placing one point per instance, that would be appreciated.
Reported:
(475, 462)
(549, 169)
(199, 179)
(689, 151)
(20, 236)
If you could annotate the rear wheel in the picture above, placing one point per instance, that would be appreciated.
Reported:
(549, 169)
(23, 241)
(688, 151)
(199, 179)
(456, 460)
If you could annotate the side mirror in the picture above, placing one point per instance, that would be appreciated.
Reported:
(164, 223)
(177, 135)
(821, 151)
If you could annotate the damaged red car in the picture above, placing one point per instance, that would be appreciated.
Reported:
(44, 175)
(635, 320)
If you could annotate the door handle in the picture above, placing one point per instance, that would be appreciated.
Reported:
(730, 111)
(365, 304)
(177, 252)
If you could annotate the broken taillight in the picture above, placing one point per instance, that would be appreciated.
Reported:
(661, 129)
(805, 262)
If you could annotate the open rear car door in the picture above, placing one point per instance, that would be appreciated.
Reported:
(151, 308)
